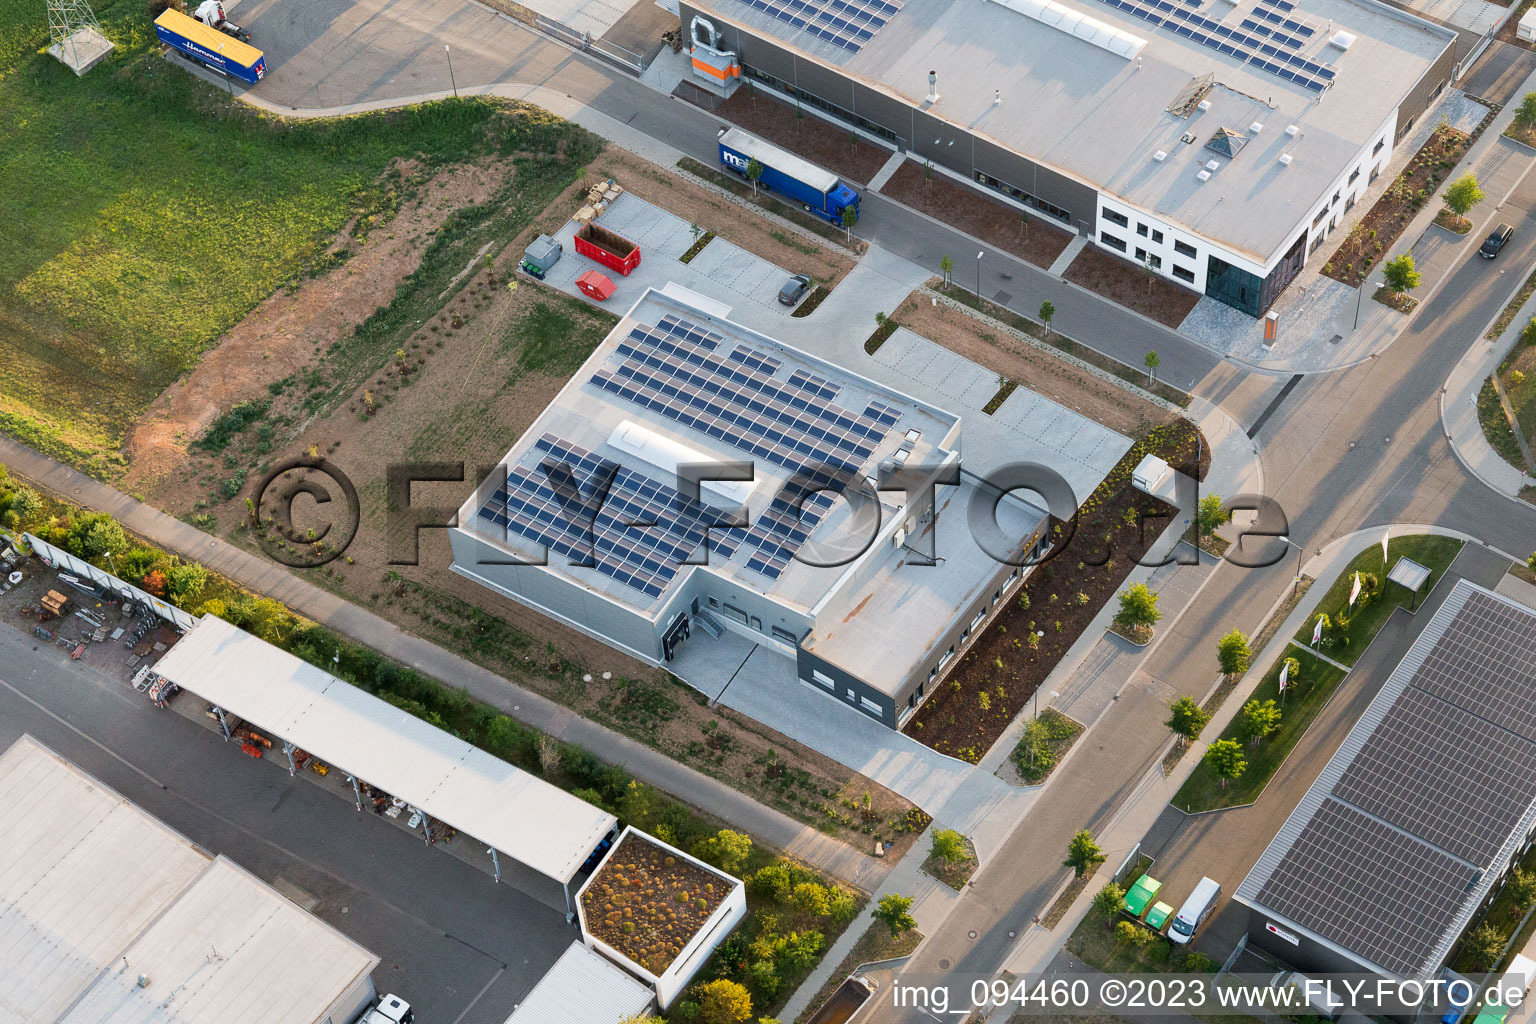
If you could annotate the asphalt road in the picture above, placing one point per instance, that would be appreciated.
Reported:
(458, 947)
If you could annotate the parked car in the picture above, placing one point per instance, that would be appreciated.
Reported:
(1496, 241)
(794, 290)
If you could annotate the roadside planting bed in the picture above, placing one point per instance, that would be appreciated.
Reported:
(1029, 236)
(848, 154)
(988, 686)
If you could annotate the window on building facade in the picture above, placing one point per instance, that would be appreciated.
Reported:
(947, 655)
(1183, 274)
(822, 678)
(1157, 236)
(1183, 248)
(780, 633)
(1379, 143)
(1353, 175)
(872, 707)
(735, 613)
(1012, 191)
(1141, 229)
(1112, 241)
(841, 113)
(1117, 218)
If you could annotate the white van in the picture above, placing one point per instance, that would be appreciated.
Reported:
(1194, 911)
(1516, 981)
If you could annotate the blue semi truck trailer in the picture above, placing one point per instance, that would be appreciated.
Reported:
(210, 47)
(817, 191)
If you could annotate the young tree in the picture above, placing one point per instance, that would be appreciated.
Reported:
(1138, 609)
(1402, 274)
(895, 911)
(1225, 758)
(727, 850)
(1211, 514)
(1023, 224)
(1522, 890)
(1083, 853)
(1484, 946)
(724, 1002)
(1526, 115)
(848, 218)
(1047, 313)
(1530, 563)
(1233, 654)
(1108, 901)
(1152, 362)
(754, 172)
(948, 846)
(1259, 719)
(946, 264)
(1186, 719)
(1462, 194)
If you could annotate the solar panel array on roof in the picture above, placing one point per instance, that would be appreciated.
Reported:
(1481, 774)
(1368, 886)
(598, 513)
(1234, 42)
(1424, 800)
(738, 400)
(845, 23)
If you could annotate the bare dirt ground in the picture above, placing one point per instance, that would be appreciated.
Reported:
(1124, 282)
(464, 395)
(968, 209)
(294, 325)
(997, 350)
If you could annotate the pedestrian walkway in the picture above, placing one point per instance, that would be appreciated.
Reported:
(270, 579)
(1062, 262)
(887, 171)
(1458, 409)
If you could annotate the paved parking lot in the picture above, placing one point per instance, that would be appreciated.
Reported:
(458, 947)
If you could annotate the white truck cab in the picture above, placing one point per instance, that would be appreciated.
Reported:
(389, 1010)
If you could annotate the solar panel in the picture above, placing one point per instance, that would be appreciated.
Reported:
(1485, 663)
(812, 384)
(1444, 774)
(592, 511)
(848, 24)
(1368, 886)
(1203, 30)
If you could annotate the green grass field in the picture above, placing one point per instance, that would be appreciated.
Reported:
(146, 213)
(1434, 552)
(1317, 680)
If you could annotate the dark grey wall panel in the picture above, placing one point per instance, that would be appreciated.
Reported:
(892, 113)
(824, 82)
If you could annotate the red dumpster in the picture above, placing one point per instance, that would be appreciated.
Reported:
(609, 248)
(598, 286)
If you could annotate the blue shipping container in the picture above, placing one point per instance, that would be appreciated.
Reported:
(818, 191)
(210, 47)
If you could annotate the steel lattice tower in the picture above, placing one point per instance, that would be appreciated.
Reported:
(75, 35)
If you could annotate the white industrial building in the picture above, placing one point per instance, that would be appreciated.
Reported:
(107, 916)
(1216, 143)
(583, 987)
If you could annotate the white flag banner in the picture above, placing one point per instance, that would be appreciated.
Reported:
(1384, 547)
(1354, 591)
(1317, 632)
(1285, 673)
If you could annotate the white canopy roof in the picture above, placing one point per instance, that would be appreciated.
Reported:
(519, 814)
(583, 987)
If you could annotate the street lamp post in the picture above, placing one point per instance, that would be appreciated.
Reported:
(979, 255)
(451, 79)
(1360, 298)
(1036, 698)
(1296, 583)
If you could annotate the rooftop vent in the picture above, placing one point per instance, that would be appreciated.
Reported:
(1203, 106)
(1212, 165)
(1187, 138)
(1285, 159)
(1204, 175)
(1255, 128)
(1291, 130)
(1160, 155)
(1343, 40)
(1226, 142)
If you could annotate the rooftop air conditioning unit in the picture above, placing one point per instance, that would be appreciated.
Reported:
(1203, 106)
(1204, 175)
(1291, 130)
(1255, 128)
(1160, 155)
(1343, 40)
(1285, 159)
(1212, 165)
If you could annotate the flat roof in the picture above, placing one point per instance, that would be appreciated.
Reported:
(906, 606)
(392, 749)
(584, 987)
(88, 878)
(1431, 794)
(230, 941)
(1096, 115)
(727, 395)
